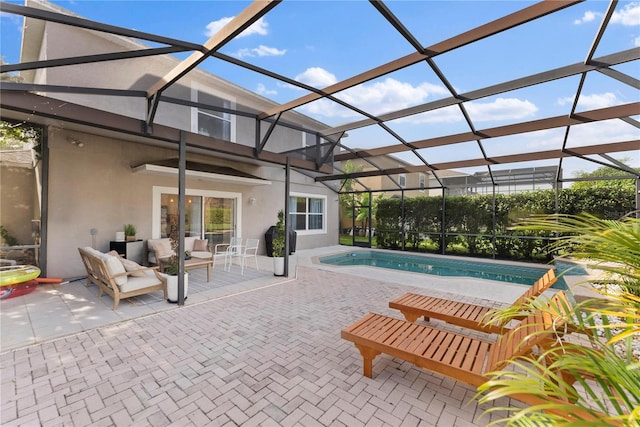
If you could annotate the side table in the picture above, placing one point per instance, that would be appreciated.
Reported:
(132, 250)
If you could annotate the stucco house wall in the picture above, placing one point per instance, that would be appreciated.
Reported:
(94, 187)
(18, 204)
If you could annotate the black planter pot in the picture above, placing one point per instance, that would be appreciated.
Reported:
(270, 234)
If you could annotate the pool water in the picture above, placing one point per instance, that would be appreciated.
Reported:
(443, 267)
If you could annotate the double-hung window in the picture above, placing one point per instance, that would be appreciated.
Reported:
(217, 124)
(402, 180)
(307, 213)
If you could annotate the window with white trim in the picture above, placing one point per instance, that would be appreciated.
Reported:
(402, 180)
(216, 124)
(307, 213)
(423, 180)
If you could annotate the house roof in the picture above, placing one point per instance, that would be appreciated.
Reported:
(526, 142)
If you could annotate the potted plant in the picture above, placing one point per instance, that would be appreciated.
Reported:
(170, 273)
(277, 251)
(130, 232)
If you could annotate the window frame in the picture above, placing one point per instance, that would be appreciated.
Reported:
(402, 180)
(422, 182)
(308, 196)
(195, 111)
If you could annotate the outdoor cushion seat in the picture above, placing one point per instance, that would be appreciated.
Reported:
(110, 275)
(199, 248)
(135, 283)
(471, 316)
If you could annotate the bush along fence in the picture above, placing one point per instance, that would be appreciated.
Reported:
(480, 225)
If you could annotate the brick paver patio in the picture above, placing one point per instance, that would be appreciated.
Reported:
(272, 356)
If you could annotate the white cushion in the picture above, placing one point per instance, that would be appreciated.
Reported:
(135, 283)
(92, 251)
(201, 254)
(115, 267)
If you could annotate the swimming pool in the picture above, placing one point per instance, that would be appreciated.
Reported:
(442, 266)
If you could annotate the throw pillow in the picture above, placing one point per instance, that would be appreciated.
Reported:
(133, 267)
(162, 248)
(200, 245)
(115, 267)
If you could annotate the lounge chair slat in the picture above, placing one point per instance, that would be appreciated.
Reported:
(458, 351)
(410, 339)
(481, 360)
(429, 337)
(465, 351)
(444, 346)
(398, 338)
(386, 329)
(428, 349)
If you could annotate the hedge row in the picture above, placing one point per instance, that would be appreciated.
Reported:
(469, 220)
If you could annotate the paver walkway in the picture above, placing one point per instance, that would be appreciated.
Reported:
(272, 356)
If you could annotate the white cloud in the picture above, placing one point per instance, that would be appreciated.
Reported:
(501, 109)
(262, 90)
(378, 97)
(587, 17)
(449, 114)
(604, 132)
(260, 27)
(629, 15)
(260, 51)
(592, 102)
(269, 51)
(316, 77)
(392, 95)
(636, 42)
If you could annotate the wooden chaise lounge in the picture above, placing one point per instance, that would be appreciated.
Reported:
(458, 356)
(470, 316)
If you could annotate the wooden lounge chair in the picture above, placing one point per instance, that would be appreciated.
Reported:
(470, 316)
(458, 356)
(463, 358)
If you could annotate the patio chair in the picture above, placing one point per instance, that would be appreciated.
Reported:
(250, 251)
(233, 247)
(458, 356)
(220, 251)
(471, 316)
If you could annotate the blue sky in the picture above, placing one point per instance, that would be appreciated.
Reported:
(322, 42)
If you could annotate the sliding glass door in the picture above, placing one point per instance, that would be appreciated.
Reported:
(212, 215)
(220, 223)
(169, 216)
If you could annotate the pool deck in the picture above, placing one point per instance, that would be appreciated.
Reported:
(244, 350)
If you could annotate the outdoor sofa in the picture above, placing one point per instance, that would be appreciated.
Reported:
(119, 277)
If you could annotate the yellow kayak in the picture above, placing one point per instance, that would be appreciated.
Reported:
(14, 274)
